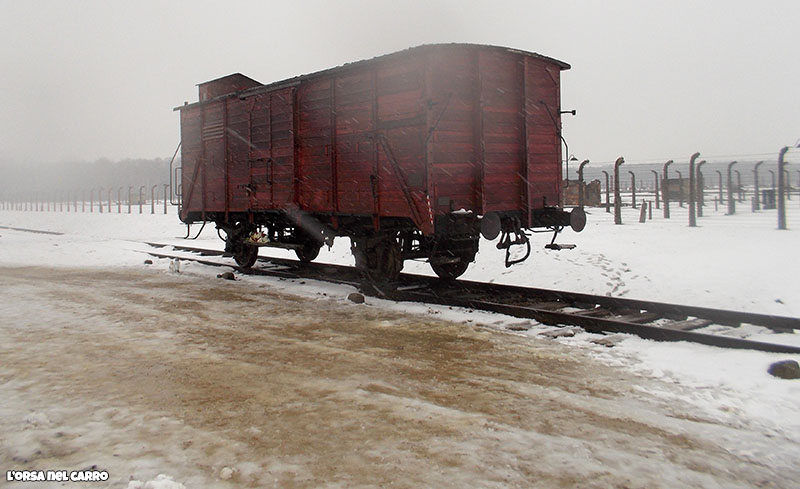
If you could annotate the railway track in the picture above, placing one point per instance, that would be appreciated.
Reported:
(599, 314)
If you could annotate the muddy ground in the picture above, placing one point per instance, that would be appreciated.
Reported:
(146, 372)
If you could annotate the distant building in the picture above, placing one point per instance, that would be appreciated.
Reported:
(591, 193)
(675, 188)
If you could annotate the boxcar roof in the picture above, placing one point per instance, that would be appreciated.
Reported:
(347, 66)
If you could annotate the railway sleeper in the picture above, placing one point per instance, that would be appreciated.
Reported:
(640, 318)
(595, 313)
(546, 305)
(688, 325)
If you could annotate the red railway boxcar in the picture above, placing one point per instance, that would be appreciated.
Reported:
(412, 155)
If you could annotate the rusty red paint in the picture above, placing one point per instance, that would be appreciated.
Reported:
(470, 127)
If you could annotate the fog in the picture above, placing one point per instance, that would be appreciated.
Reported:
(650, 81)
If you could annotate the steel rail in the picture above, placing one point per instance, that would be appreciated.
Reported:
(543, 305)
(594, 324)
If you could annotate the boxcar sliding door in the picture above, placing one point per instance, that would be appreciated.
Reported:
(271, 154)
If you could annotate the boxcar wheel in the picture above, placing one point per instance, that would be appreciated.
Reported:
(382, 263)
(246, 255)
(308, 252)
(450, 271)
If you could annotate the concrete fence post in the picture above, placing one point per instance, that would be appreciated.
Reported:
(608, 193)
(665, 189)
(757, 201)
(166, 189)
(581, 185)
(680, 194)
(781, 203)
(141, 197)
(130, 197)
(633, 189)
(731, 200)
(119, 200)
(617, 197)
(153, 199)
(692, 208)
(655, 176)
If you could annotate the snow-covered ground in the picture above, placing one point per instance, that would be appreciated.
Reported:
(734, 262)
(739, 262)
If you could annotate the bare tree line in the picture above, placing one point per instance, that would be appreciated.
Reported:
(22, 178)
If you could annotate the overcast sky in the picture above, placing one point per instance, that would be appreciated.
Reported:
(651, 80)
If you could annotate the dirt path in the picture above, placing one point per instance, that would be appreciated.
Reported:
(142, 373)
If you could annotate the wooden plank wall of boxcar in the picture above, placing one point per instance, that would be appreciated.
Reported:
(236, 173)
(339, 118)
(501, 130)
(356, 153)
(313, 146)
(495, 147)
(542, 109)
(270, 152)
(191, 154)
(212, 179)
(453, 148)
(401, 117)
(238, 154)
(203, 158)
(478, 156)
